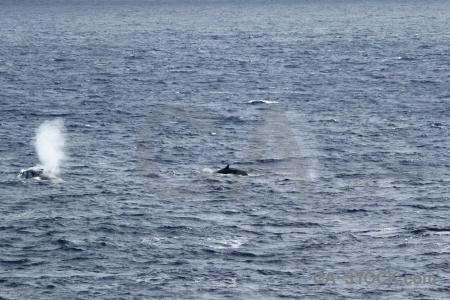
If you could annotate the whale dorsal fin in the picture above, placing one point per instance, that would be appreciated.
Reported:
(227, 167)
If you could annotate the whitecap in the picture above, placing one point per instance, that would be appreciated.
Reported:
(262, 102)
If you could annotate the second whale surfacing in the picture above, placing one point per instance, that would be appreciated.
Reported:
(228, 170)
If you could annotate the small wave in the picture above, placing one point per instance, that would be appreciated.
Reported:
(262, 102)
(405, 57)
(243, 254)
(225, 242)
(355, 210)
(400, 232)
(15, 261)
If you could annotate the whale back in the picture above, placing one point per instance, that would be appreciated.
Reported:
(228, 170)
(31, 173)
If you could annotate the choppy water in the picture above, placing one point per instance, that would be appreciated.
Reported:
(339, 112)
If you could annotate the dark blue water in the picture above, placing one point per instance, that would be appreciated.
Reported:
(338, 111)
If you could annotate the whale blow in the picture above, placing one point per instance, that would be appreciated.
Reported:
(49, 143)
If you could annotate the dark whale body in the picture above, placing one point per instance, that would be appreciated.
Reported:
(35, 172)
(31, 173)
(228, 170)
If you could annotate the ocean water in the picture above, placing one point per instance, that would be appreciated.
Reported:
(338, 110)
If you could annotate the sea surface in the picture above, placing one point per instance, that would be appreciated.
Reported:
(338, 110)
